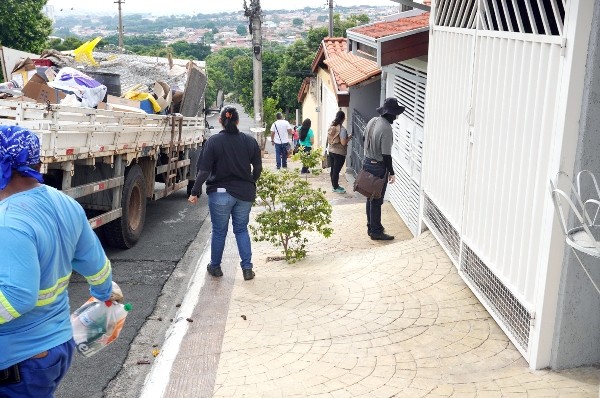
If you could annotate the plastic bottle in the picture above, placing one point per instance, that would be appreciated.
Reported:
(96, 324)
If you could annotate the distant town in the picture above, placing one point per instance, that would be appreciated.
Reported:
(281, 27)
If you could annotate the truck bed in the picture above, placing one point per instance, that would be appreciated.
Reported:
(70, 133)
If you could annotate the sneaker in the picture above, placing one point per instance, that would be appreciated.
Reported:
(214, 271)
(339, 190)
(248, 274)
(381, 236)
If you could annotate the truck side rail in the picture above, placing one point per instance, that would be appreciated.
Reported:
(70, 133)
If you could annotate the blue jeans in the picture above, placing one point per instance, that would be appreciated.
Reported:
(281, 155)
(222, 205)
(40, 376)
(374, 225)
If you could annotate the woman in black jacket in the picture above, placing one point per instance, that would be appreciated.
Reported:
(230, 165)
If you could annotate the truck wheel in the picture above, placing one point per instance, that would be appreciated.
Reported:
(125, 231)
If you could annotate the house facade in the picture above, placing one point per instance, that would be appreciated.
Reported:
(343, 81)
(399, 46)
(512, 91)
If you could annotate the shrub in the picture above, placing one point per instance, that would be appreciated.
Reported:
(292, 207)
(311, 159)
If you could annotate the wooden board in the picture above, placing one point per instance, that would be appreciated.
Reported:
(192, 103)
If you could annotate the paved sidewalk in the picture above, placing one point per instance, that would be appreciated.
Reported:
(356, 318)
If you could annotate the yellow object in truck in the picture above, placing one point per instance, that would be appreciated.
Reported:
(139, 96)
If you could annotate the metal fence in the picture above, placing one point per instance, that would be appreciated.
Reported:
(359, 124)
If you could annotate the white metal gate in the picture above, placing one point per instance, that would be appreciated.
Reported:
(494, 69)
(407, 150)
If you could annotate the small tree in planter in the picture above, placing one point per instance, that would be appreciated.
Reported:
(292, 207)
(311, 159)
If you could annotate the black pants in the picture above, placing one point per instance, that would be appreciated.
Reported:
(307, 149)
(373, 208)
(336, 162)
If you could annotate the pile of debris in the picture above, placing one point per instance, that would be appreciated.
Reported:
(130, 82)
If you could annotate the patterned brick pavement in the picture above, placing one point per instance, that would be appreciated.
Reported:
(359, 318)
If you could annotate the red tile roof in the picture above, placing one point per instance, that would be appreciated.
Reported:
(347, 69)
(388, 28)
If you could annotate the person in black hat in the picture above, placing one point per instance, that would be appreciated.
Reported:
(378, 160)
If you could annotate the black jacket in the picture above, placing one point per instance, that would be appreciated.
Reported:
(231, 161)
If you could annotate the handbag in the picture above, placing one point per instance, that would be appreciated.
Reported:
(369, 185)
(325, 163)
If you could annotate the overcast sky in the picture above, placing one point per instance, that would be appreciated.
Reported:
(162, 7)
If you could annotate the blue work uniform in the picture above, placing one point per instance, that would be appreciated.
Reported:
(44, 235)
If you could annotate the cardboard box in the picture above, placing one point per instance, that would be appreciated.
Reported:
(163, 94)
(43, 93)
(22, 76)
(111, 99)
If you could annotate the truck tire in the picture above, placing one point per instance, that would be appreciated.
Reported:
(124, 232)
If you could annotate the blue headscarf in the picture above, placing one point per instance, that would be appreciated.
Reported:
(19, 149)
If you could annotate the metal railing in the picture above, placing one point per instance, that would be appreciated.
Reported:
(357, 154)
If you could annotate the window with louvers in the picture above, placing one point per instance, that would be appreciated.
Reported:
(543, 17)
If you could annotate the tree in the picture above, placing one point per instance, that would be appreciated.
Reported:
(185, 50)
(270, 109)
(219, 68)
(209, 37)
(297, 22)
(242, 80)
(316, 35)
(293, 69)
(291, 208)
(68, 44)
(242, 30)
(24, 26)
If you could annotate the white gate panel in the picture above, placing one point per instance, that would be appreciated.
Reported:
(515, 99)
(330, 108)
(448, 102)
(407, 150)
(404, 193)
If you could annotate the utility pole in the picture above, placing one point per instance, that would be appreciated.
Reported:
(119, 2)
(254, 13)
(330, 18)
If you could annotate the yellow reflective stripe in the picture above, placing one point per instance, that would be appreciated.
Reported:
(48, 296)
(7, 312)
(101, 276)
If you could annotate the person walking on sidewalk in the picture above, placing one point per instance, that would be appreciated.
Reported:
(45, 235)
(280, 131)
(230, 165)
(307, 139)
(378, 161)
(337, 140)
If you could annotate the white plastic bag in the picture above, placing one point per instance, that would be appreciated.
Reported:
(88, 90)
(96, 324)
